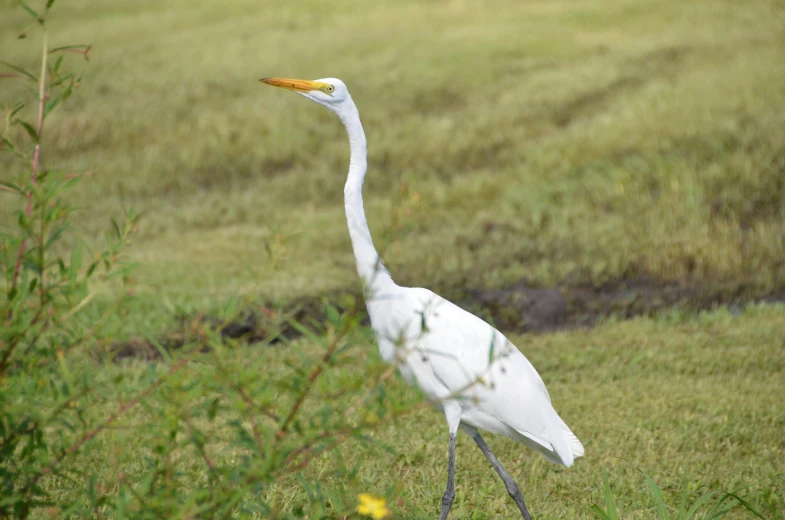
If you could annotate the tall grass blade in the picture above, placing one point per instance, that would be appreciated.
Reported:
(702, 501)
(683, 500)
(597, 510)
(610, 502)
(741, 502)
(657, 493)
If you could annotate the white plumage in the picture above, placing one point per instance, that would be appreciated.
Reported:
(454, 356)
(467, 368)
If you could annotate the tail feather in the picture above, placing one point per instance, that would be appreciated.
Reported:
(567, 445)
(563, 448)
(575, 445)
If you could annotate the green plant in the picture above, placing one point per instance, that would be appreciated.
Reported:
(57, 401)
(46, 285)
(710, 505)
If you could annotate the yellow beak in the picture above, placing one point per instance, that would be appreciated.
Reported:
(298, 85)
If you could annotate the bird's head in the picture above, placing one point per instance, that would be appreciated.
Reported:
(328, 92)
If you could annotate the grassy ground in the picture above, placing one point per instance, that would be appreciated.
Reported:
(672, 398)
(594, 139)
(561, 141)
(680, 397)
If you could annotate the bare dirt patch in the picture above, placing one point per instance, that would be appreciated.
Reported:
(518, 308)
(524, 309)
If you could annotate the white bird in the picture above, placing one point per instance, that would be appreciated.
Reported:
(467, 368)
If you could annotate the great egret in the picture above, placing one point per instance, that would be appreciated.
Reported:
(467, 368)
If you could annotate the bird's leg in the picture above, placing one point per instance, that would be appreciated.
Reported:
(509, 483)
(449, 493)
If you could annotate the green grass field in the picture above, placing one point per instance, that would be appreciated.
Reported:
(566, 143)
(680, 398)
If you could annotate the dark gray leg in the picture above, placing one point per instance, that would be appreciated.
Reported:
(512, 487)
(449, 493)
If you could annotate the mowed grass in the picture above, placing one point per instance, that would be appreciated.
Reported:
(562, 141)
(683, 400)
(687, 399)
(565, 142)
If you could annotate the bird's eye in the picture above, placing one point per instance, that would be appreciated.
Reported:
(329, 89)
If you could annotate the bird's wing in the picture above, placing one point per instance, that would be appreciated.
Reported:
(491, 377)
(465, 349)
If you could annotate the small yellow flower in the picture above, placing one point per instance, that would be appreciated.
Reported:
(370, 506)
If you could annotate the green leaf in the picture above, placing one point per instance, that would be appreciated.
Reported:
(8, 143)
(16, 110)
(23, 222)
(52, 103)
(599, 512)
(745, 504)
(610, 502)
(657, 493)
(76, 264)
(212, 411)
(12, 187)
(30, 130)
(66, 93)
(60, 79)
(19, 70)
(55, 236)
(305, 331)
(683, 501)
(32, 266)
(116, 228)
(716, 511)
(333, 316)
(91, 269)
(702, 501)
(56, 66)
(67, 47)
(29, 9)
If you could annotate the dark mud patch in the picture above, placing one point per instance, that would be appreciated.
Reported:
(525, 309)
(518, 308)
(259, 324)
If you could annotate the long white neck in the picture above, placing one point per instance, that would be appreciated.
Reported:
(374, 275)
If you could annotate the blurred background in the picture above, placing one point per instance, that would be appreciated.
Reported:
(564, 142)
(624, 157)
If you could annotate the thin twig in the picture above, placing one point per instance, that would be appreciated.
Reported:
(34, 177)
(342, 434)
(120, 411)
(41, 105)
(249, 404)
(200, 445)
(5, 361)
(332, 347)
(254, 426)
(20, 255)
